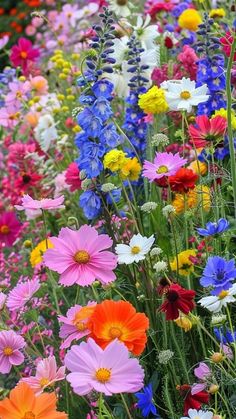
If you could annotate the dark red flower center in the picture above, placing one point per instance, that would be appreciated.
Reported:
(172, 296)
(26, 178)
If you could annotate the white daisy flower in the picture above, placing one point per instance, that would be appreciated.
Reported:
(136, 250)
(146, 33)
(214, 303)
(45, 132)
(183, 94)
(198, 414)
(119, 7)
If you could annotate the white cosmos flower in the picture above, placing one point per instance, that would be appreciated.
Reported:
(45, 132)
(214, 303)
(198, 414)
(146, 33)
(136, 250)
(183, 94)
(119, 7)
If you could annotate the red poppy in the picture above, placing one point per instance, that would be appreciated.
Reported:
(227, 41)
(192, 401)
(183, 180)
(177, 298)
(207, 130)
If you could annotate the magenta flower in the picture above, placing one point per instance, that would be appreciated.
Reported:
(165, 164)
(203, 373)
(109, 371)
(75, 323)
(31, 204)
(10, 345)
(46, 375)
(23, 53)
(22, 293)
(9, 228)
(80, 258)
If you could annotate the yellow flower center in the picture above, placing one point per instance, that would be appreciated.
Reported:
(185, 95)
(29, 415)
(23, 54)
(8, 351)
(81, 326)
(103, 375)
(162, 169)
(18, 94)
(82, 256)
(44, 381)
(223, 294)
(196, 417)
(115, 332)
(4, 229)
(135, 250)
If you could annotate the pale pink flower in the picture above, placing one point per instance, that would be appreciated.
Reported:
(18, 92)
(2, 300)
(10, 354)
(3, 41)
(46, 375)
(80, 257)
(203, 373)
(22, 293)
(31, 204)
(165, 164)
(9, 115)
(109, 371)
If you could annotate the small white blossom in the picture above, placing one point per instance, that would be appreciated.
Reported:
(165, 356)
(148, 206)
(214, 303)
(108, 187)
(159, 139)
(45, 131)
(156, 251)
(136, 250)
(218, 319)
(167, 210)
(160, 266)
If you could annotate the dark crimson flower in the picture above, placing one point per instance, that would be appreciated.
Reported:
(163, 286)
(183, 180)
(192, 401)
(23, 53)
(227, 41)
(207, 130)
(177, 299)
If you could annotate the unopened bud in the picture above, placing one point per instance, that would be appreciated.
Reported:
(217, 357)
(27, 244)
(213, 388)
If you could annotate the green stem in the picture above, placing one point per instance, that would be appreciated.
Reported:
(125, 406)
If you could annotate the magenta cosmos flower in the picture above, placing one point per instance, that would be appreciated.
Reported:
(9, 228)
(10, 354)
(23, 53)
(75, 323)
(109, 371)
(165, 164)
(46, 375)
(31, 204)
(22, 293)
(80, 258)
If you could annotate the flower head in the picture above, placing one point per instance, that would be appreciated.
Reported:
(130, 169)
(10, 354)
(31, 204)
(22, 293)
(183, 180)
(145, 401)
(114, 160)
(109, 371)
(24, 404)
(215, 303)
(214, 228)
(136, 250)
(46, 375)
(219, 274)
(227, 41)
(80, 256)
(120, 7)
(23, 53)
(190, 19)
(9, 228)
(199, 414)
(192, 400)
(36, 255)
(177, 299)
(72, 177)
(153, 101)
(165, 164)
(119, 320)
(207, 130)
(182, 263)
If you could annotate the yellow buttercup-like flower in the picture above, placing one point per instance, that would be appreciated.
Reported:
(223, 112)
(198, 167)
(36, 256)
(217, 13)
(114, 160)
(182, 263)
(196, 198)
(153, 101)
(131, 169)
(184, 322)
(190, 19)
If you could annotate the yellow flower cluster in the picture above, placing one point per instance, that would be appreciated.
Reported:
(223, 112)
(153, 101)
(190, 19)
(116, 161)
(62, 64)
(195, 199)
(36, 256)
(182, 263)
(217, 13)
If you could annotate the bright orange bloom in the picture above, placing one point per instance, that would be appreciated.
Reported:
(23, 404)
(119, 320)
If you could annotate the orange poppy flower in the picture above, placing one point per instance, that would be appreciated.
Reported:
(23, 404)
(119, 320)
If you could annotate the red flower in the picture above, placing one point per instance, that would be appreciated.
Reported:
(192, 401)
(9, 228)
(23, 54)
(27, 180)
(227, 41)
(72, 177)
(177, 298)
(183, 180)
(207, 130)
(163, 286)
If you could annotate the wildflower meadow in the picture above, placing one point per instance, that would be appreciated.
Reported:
(117, 209)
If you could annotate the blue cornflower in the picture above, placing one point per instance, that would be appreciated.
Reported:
(219, 274)
(225, 337)
(91, 204)
(145, 401)
(214, 228)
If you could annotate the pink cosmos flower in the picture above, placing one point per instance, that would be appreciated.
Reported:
(46, 375)
(9, 228)
(75, 323)
(165, 164)
(206, 130)
(31, 204)
(23, 53)
(109, 371)
(72, 177)
(80, 257)
(22, 293)
(9, 115)
(10, 345)
(18, 92)
(202, 372)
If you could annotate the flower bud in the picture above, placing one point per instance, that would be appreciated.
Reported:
(217, 357)
(213, 388)
(27, 244)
